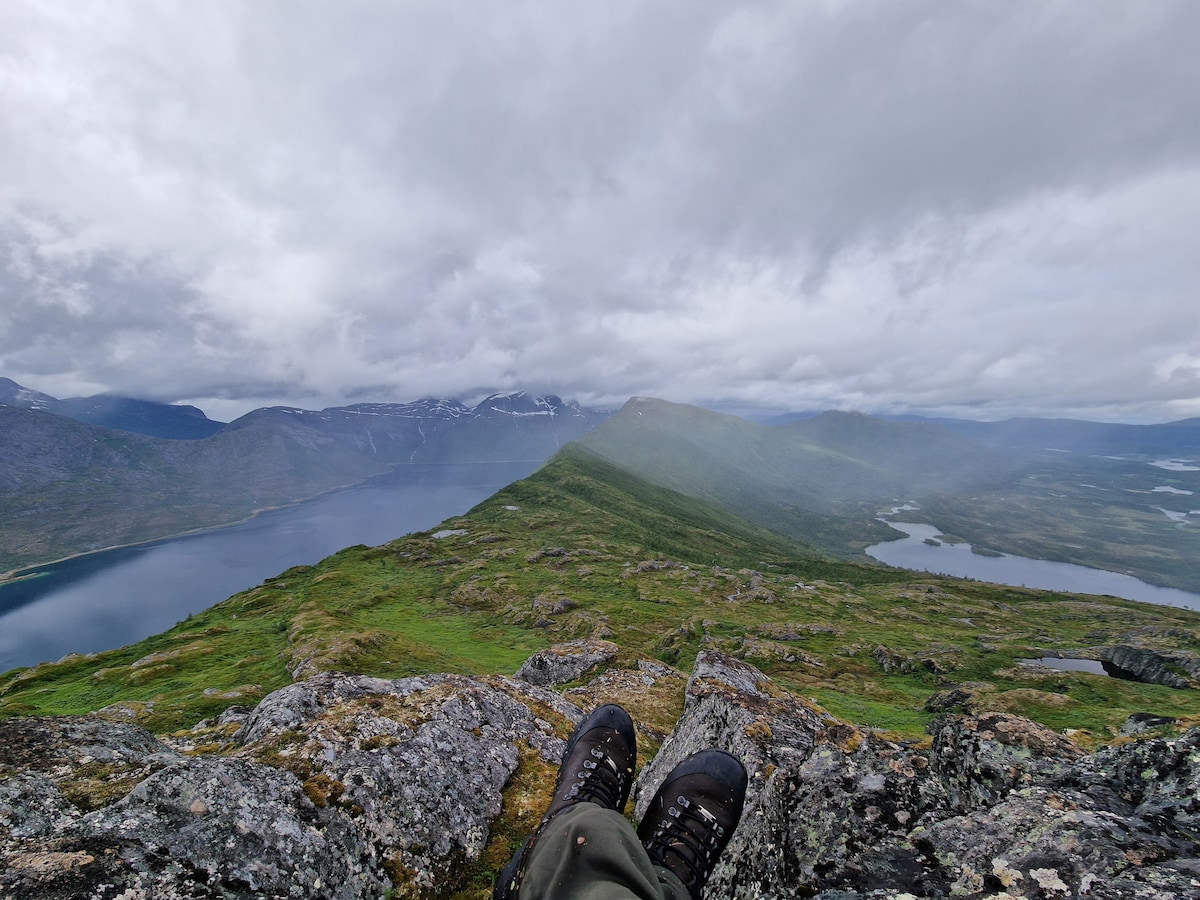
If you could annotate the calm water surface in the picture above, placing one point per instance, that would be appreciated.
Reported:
(957, 559)
(109, 599)
(1091, 666)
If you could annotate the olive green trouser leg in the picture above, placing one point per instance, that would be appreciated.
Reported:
(587, 852)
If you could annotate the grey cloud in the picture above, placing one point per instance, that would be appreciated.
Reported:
(885, 205)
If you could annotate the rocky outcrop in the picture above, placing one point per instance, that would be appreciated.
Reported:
(1174, 668)
(998, 806)
(333, 787)
(567, 662)
(345, 786)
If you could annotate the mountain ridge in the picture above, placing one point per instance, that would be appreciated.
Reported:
(148, 417)
(75, 487)
(339, 698)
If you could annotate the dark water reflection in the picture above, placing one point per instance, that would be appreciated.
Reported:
(109, 599)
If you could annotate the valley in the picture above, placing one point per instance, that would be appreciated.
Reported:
(672, 540)
(824, 480)
(585, 549)
(72, 487)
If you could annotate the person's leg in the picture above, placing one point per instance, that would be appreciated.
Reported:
(584, 849)
(588, 852)
(596, 771)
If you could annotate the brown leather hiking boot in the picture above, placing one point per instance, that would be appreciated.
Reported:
(693, 814)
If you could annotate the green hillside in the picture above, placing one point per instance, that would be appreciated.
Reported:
(823, 480)
(583, 548)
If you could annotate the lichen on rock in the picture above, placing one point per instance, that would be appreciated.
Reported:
(349, 786)
(566, 662)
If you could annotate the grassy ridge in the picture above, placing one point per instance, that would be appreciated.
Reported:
(585, 549)
(823, 480)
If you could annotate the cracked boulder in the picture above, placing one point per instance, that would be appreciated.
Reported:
(566, 662)
(419, 764)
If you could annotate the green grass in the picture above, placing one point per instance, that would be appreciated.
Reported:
(583, 548)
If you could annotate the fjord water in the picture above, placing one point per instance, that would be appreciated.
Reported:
(108, 599)
(958, 560)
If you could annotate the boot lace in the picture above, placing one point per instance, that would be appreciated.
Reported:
(696, 847)
(599, 780)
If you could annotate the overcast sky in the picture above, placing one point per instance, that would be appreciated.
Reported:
(978, 208)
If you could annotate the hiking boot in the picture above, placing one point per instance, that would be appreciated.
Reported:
(597, 767)
(692, 816)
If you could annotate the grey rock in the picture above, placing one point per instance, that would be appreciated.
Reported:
(1037, 843)
(44, 743)
(31, 805)
(52, 770)
(937, 661)
(1140, 723)
(566, 662)
(981, 759)
(998, 806)
(1170, 881)
(730, 705)
(242, 827)
(235, 715)
(1174, 668)
(343, 785)
(421, 763)
(300, 702)
(1157, 780)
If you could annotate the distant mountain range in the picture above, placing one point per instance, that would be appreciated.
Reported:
(1026, 433)
(1170, 439)
(84, 474)
(123, 413)
(78, 475)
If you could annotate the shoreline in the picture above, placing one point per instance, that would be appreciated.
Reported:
(24, 572)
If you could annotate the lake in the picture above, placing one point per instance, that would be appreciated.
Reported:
(913, 552)
(114, 597)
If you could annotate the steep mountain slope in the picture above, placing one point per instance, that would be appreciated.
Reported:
(822, 480)
(71, 487)
(140, 416)
(14, 394)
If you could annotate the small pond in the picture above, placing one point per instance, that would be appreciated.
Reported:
(1091, 666)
